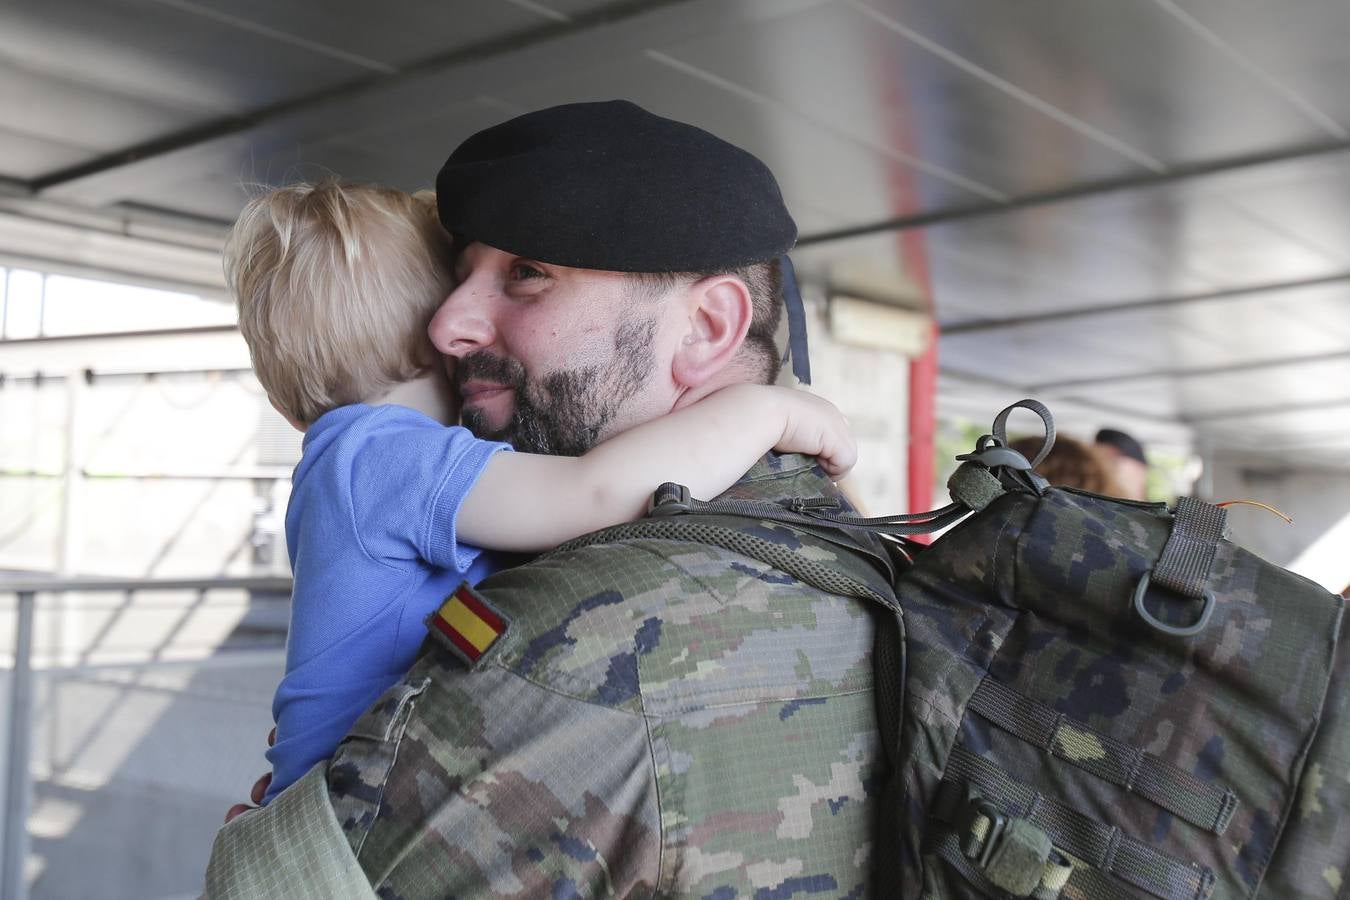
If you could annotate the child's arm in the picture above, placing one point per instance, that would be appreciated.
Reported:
(527, 502)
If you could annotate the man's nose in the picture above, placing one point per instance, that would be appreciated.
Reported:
(463, 323)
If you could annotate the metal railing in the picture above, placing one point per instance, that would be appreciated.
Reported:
(14, 854)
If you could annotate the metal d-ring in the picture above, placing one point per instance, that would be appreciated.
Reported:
(1179, 631)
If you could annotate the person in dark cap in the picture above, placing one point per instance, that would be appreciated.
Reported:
(1128, 462)
(626, 715)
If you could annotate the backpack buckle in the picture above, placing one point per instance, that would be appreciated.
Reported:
(670, 499)
(980, 826)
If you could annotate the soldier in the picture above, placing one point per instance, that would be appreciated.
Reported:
(635, 716)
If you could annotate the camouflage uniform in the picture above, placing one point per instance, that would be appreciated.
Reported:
(661, 717)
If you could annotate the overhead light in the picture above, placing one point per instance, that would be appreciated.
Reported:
(866, 323)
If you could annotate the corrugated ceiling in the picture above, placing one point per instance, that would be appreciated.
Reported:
(1138, 208)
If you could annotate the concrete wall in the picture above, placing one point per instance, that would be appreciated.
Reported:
(871, 387)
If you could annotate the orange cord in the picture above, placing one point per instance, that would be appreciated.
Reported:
(1227, 503)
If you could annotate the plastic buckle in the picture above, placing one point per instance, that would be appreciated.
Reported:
(670, 499)
(809, 505)
(981, 850)
(990, 453)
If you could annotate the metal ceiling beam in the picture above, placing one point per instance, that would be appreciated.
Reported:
(227, 126)
(1267, 410)
(190, 331)
(1095, 188)
(1083, 312)
(1085, 402)
(1200, 372)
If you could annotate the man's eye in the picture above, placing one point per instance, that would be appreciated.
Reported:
(525, 272)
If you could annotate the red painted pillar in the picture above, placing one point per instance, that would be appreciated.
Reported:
(902, 119)
(923, 375)
(922, 453)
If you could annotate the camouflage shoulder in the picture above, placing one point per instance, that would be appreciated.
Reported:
(579, 619)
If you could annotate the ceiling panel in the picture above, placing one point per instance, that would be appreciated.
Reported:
(383, 35)
(1308, 321)
(866, 80)
(77, 115)
(853, 185)
(867, 110)
(1064, 257)
(1200, 398)
(162, 54)
(1300, 48)
(23, 156)
(1129, 70)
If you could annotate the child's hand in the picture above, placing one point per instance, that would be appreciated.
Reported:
(816, 427)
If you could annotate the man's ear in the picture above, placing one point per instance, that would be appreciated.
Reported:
(720, 310)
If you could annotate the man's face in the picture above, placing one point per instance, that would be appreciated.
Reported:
(550, 358)
(1131, 475)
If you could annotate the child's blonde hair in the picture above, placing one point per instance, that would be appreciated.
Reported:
(336, 284)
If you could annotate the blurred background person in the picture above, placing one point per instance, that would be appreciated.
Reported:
(1129, 465)
(1072, 463)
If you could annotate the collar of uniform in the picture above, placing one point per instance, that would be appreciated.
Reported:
(778, 476)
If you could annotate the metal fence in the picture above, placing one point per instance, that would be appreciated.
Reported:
(138, 732)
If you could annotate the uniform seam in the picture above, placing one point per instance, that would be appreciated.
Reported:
(656, 787)
(756, 701)
(653, 772)
(775, 475)
(709, 589)
(683, 708)
(565, 692)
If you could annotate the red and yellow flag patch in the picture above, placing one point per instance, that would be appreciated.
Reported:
(469, 626)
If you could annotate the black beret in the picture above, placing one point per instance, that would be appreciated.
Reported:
(612, 186)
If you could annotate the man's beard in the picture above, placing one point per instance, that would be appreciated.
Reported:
(568, 411)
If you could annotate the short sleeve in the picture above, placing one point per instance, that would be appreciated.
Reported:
(409, 476)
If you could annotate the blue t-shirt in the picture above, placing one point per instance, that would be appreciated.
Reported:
(371, 534)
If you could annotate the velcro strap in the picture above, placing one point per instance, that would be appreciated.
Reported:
(1197, 528)
(974, 486)
(1012, 854)
(1101, 846)
(1171, 787)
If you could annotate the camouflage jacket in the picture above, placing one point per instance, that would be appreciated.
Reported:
(659, 718)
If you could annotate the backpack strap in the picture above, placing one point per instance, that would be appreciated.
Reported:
(1205, 805)
(888, 650)
(1197, 528)
(1183, 568)
(819, 575)
(1015, 859)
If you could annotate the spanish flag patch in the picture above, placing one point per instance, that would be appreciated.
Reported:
(467, 625)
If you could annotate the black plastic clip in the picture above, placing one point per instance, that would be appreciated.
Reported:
(670, 499)
(990, 453)
(981, 849)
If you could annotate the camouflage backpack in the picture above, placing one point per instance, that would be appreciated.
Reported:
(1105, 698)
(1088, 697)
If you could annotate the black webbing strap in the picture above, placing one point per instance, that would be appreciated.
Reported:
(1082, 880)
(1010, 853)
(1202, 804)
(1197, 528)
(807, 512)
(1104, 847)
(948, 846)
(826, 578)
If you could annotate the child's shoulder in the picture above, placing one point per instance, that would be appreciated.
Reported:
(362, 419)
(385, 431)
